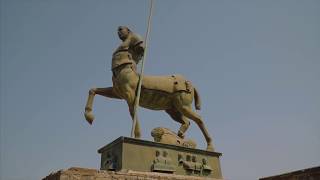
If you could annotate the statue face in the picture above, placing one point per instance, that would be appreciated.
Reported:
(123, 32)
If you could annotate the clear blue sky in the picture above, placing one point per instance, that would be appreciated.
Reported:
(255, 63)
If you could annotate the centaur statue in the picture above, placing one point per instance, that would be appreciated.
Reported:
(173, 94)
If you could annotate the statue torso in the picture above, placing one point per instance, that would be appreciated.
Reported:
(121, 57)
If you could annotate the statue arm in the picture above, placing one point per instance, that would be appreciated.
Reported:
(138, 47)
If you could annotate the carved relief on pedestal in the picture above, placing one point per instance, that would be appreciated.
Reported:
(162, 163)
(110, 162)
(192, 166)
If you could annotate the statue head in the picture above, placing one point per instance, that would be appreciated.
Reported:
(157, 153)
(188, 158)
(194, 159)
(123, 32)
(165, 153)
(204, 161)
(157, 134)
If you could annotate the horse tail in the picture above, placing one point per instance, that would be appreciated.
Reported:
(197, 100)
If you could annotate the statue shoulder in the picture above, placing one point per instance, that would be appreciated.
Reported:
(135, 39)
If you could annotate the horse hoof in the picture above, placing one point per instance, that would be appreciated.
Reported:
(138, 136)
(89, 117)
(210, 148)
(181, 135)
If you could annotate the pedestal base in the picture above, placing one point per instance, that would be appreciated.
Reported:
(129, 154)
(83, 173)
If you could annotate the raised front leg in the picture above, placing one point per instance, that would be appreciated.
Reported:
(88, 110)
(107, 92)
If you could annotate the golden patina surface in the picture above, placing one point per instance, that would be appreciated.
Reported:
(173, 94)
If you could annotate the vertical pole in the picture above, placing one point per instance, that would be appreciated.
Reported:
(137, 98)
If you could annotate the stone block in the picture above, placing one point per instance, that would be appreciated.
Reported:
(125, 154)
(76, 173)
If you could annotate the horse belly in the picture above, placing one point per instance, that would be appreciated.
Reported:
(155, 100)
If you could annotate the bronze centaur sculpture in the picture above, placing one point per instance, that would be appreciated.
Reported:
(173, 94)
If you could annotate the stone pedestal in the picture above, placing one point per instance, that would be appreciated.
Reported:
(76, 173)
(132, 159)
(125, 154)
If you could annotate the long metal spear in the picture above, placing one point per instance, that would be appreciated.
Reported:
(136, 101)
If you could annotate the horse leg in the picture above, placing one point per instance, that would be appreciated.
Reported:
(129, 96)
(177, 116)
(188, 112)
(137, 131)
(107, 92)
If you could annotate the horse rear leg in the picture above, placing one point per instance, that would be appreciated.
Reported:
(188, 112)
(107, 92)
(177, 116)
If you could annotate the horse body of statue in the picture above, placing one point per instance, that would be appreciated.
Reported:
(173, 94)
